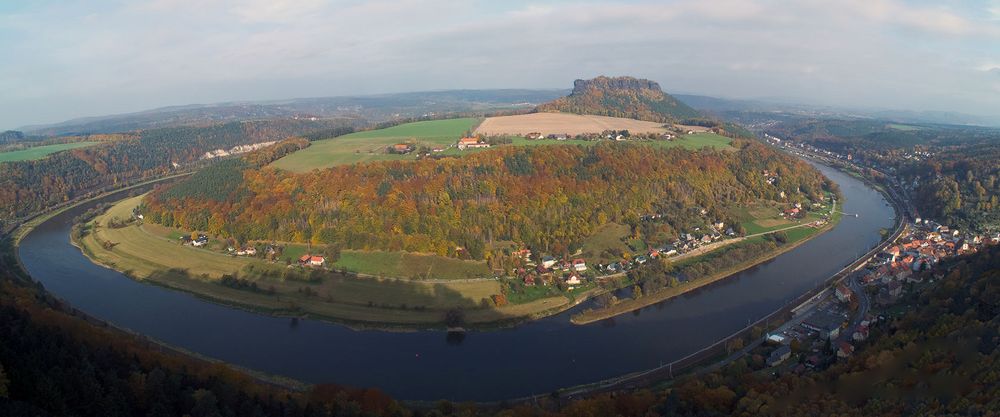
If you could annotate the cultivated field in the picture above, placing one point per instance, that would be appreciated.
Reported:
(410, 265)
(572, 124)
(39, 152)
(697, 141)
(370, 145)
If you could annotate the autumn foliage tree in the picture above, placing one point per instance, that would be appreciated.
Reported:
(549, 198)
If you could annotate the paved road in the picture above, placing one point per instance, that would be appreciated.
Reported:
(864, 302)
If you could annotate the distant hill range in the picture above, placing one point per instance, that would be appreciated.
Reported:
(371, 108)
(628, 97)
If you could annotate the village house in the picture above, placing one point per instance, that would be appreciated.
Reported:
(402, 148)
(202, 240)
(534, 135)
(826, 324)
(548, 262)
(779, 355)
(579, 265)
(861, 334)
(843, 293)
(247, 251)
(471, 142)
(573, 279)
(844, 350)
(311, 260)
(792, 212)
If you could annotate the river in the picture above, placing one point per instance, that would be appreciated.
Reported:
(533, 358)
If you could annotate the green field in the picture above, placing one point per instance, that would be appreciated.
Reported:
(410, 265)
(39, 152)
(694, 142)
(698, 141)
(906, 128)
(764, 217)
(608, 236)
(370, 145)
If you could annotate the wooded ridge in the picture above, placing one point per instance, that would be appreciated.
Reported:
(548, 198)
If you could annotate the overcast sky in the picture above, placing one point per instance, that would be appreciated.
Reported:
(70, 59)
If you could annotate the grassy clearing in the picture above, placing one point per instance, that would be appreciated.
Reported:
(608, 236)
(532, 293)
(410, 265)
(765, 217)
(903, 127)
(39, 152)
(698, 141)
(370, 145)
(292, 252)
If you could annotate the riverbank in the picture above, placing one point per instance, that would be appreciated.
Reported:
(632, 304)
(29, 224)
(394, 304)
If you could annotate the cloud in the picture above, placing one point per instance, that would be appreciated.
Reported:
(113, 57)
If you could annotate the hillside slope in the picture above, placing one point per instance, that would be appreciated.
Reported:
(628, 97)
(548, 198)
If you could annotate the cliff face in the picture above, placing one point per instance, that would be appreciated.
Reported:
(614, 83)
(628, 97)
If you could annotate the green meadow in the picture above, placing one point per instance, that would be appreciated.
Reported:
(39, 152)
(370, 145)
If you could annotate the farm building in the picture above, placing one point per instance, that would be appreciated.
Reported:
(311, 260)
(471, 142)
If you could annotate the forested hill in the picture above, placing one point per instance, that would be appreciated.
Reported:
(10, 136)
(28, 187)
(548, 197)
(950, 171)
(621, 97)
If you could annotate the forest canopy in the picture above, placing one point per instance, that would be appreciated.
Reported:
(549, 197)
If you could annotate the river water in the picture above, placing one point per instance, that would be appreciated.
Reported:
(533, 358)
